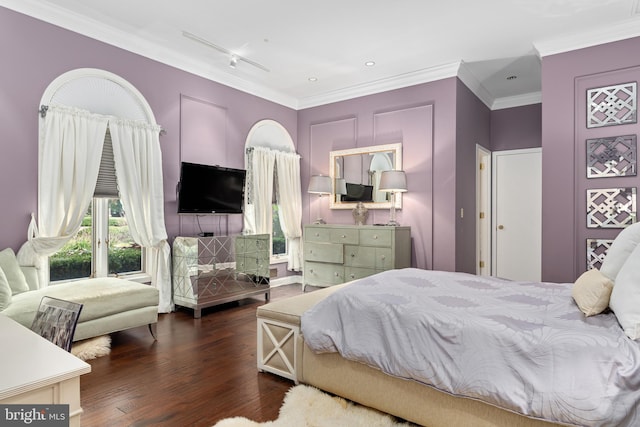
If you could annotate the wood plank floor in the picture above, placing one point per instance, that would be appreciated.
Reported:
(198, 372)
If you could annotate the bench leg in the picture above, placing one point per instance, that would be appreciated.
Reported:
(152, 330)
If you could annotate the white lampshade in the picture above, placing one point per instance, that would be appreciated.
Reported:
(341, 186)
(393, 181)
(320, 184)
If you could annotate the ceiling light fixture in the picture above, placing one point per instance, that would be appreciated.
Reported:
(512, 77)
(233, 62)
(370, 63)
(313, 79)
(225, 51)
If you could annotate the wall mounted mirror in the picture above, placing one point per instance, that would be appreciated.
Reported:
(356, 173)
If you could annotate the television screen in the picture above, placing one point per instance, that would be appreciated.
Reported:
(358, 193)
(205, 189)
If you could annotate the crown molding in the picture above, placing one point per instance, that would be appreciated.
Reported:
(517, 101)
(623, 30)
(470, 81)
(382, 85)
(99, 31)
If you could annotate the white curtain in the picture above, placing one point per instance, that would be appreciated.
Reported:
(69, 153)
(260, 191)
(138, 164)
(290, 205)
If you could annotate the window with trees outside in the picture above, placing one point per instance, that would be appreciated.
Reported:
(103, 246)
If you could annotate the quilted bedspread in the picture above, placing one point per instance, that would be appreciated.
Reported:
(522, 346)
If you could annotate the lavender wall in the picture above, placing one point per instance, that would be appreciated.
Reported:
(473, 125)
(35, 53)
(423, 118)
(565, 78)
(516, 128)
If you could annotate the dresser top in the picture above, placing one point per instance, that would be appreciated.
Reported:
(359, 227)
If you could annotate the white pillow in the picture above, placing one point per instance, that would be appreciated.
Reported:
(592, 291)
(15, 276)
(5, 291)
(625, 297)
(620, 250)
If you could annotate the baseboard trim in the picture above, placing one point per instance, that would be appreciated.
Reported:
(288, 280)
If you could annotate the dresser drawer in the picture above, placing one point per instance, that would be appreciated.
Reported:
(344, 235)
(317, 234)
(377, 237)
(323, 274)
(360, 256)
(323, 252)
(353, 273)
(384, 259)
(251, 244)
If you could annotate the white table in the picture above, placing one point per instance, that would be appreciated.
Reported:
(35, 371)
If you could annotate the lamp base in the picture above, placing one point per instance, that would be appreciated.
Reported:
(319, 221)
(393, 223)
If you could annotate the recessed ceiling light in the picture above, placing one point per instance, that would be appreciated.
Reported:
(313, 79)
(370, 63)
(512, 77)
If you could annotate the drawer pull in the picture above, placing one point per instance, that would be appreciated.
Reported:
(311, 270)
(383, 257)
(353, 276)
(336, 274)
(375, 237)
(353, 255)
(317, 234)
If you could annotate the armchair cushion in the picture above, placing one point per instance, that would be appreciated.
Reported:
(5, 291)
(13, 272)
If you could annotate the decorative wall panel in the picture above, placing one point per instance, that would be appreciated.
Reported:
(611, 207)
(612, 105)
(596, 251)
(609, 157)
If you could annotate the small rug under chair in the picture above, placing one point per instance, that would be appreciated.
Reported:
(306, 406)
(92, 348)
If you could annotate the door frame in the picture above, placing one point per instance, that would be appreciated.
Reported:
(484, 208)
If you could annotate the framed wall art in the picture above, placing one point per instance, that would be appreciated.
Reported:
(611, 157)
(612, 105)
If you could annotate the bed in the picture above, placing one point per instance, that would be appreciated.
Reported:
(453, 349)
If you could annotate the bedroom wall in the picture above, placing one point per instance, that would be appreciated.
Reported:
(516, 128)
(35, 53)
(565, 79)
(424, 119)
(473, 127)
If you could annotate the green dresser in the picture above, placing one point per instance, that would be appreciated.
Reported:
(336, 254)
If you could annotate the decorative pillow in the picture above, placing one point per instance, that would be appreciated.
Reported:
(15, 276)
(620, 250)
(625, 297)
(5, 291)
(592, 291)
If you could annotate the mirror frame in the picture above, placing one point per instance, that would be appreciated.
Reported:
(395, 148)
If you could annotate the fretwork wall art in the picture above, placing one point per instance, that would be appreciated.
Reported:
(611, 157)
(612, 105)
(611, 207)
(596, 251)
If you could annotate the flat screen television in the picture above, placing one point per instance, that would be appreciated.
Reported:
(205, 189)
(358, 193)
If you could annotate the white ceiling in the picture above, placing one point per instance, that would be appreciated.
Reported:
(411, 41)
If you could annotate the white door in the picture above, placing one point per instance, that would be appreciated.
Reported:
(517, 214)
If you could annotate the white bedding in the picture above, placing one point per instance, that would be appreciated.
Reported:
(522, 346)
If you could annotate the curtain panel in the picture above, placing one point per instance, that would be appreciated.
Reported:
(290, 205)
(70, 149)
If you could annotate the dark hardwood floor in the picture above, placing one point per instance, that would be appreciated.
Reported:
(198, 372)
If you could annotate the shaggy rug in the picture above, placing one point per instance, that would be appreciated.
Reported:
(306, 406)
(92, 348)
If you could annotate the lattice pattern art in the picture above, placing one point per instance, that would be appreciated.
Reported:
(596, 251)
(612, 105)
(611, 207)
(615, 156)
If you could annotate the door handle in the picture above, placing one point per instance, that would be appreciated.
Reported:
(501, 227)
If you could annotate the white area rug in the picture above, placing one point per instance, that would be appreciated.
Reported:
(92, 348)
(306, 406)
